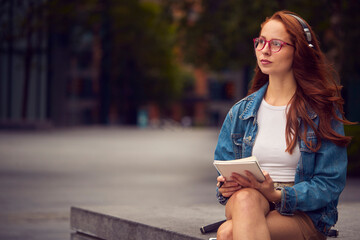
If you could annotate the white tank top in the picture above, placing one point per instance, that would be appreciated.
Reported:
(270, 144)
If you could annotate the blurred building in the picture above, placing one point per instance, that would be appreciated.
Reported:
(44, 80)
(24, 66)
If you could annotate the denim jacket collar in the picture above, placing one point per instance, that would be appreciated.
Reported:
(254, 101)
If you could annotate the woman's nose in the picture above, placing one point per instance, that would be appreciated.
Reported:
(266, 49)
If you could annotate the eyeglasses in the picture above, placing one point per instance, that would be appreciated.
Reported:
(275, 45)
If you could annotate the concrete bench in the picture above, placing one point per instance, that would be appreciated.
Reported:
(166, 222)
(154, 222)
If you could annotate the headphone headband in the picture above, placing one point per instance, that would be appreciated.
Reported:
(305, 28)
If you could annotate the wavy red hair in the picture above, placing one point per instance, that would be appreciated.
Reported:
(318, 89)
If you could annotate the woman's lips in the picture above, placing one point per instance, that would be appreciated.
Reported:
(265, 62)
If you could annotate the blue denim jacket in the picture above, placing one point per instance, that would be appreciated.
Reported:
(320, 176)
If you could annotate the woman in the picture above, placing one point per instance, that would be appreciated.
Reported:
(292, 121)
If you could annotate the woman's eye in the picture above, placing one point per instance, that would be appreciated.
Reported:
(276, 43)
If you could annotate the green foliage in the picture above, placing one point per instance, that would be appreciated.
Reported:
(64, 15)
(140, 42)
(143, 44)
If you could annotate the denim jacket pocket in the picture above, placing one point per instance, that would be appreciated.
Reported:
(307, 161)
(311, 139)
(237, 139)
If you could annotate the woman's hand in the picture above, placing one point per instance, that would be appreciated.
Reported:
(227, 188)
(266, 187)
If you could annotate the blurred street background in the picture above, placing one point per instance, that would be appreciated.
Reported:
(44, 173)
(120, 101)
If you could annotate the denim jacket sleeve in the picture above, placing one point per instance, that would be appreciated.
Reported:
(320, 177)
(224, 149)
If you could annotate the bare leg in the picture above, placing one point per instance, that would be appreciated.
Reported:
(248, 217)
(247, 209)
(280, 227)
(225, 231)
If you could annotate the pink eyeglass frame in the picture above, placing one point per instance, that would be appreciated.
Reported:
(268, 42)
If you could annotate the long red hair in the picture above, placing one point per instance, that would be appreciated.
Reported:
(317, 89)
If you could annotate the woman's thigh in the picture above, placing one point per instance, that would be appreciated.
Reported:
(283, 227)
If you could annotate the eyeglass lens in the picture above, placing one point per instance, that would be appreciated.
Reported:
(260, 43)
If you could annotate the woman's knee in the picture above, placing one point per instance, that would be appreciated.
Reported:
(246, 201)
(247, 197)
(225, 231)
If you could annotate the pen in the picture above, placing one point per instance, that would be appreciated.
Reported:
(211, 227)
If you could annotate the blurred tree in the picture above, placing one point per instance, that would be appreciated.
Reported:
(138, 51)
(220, 35)
(143, 56)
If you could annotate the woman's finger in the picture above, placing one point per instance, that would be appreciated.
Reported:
(266, 175)
(230, 193)
(240, 180)
(230, 184)
(254, 182)
(229, 189)
(227, 184)
(221, 179)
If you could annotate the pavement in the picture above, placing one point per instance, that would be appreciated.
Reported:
(43, 173)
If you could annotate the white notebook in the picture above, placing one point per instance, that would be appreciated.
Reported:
(226, 168)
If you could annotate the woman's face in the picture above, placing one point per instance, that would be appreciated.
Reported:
(279, 63)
